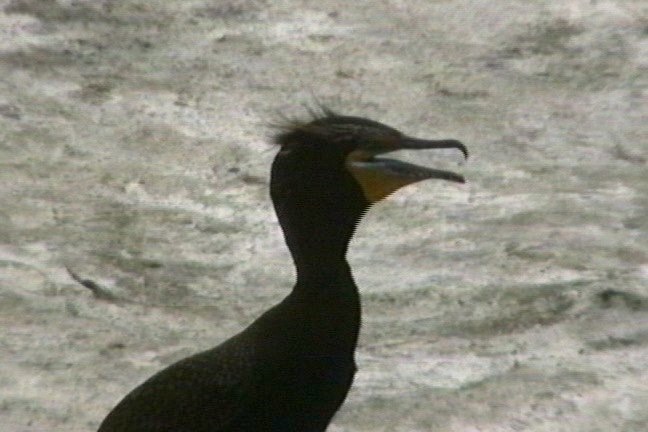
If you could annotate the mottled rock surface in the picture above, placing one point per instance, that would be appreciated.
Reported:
(133, 150)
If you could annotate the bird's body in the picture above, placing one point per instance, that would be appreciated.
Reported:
(292, 368)
(277, 375)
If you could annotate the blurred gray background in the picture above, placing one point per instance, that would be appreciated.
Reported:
(133, 150)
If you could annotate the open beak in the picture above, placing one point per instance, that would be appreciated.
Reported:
(379, 176)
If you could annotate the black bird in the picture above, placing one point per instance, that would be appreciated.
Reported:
(291, 369)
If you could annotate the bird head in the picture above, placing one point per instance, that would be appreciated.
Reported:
(327, 174)
(333, 156)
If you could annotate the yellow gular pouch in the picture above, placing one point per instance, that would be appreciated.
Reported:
(376, 183)
(379, 177)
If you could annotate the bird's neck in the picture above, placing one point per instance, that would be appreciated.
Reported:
(330, 302)
(318, 239)
(318, 243)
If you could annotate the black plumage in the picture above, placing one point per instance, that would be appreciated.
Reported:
(291, 369)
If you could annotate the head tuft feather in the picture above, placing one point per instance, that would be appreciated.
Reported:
(290, 129)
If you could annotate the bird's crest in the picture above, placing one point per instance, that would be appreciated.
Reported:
(325, 125)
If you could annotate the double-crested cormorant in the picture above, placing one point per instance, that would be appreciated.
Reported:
(291, 369)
